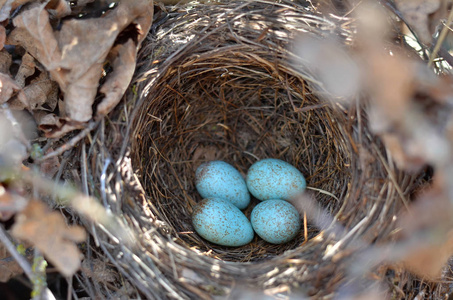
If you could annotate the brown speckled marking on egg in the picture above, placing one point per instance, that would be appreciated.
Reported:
(218, 179)
(274, 179)
(202, 173)
(276, 221)
(221, 222)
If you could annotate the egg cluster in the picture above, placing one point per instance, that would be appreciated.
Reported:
(218, 217)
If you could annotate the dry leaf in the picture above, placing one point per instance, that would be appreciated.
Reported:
(143, 22)
(416, 14)
(79, 51)
(82, 3)
(34, 32)
(27, 68)
(6, 203)
(118, 81)
(6, 6)
(44, 118)
(412, 126)
(54, 126)
(427, 230)
(59, 8)
(423, 243)
(2, 37)
(41, 91)
(76, 37)
(390, 82)
(428, 260)
(74, 60)
(7, 87)
(104, 31)
(21, 37)
(4, 11)
(80, 94)
(411, 129)
(124, 65)
(10, 204)
(5, 61)
(47, 231)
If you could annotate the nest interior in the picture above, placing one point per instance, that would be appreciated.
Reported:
(239, 112)
(235, 102)
(219, 82)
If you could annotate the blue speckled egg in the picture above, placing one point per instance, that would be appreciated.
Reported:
(274, 179)
(218, 179)
(222, 223)
(275, 221)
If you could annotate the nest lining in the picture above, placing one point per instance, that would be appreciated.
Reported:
(217, 82)
(239, 117)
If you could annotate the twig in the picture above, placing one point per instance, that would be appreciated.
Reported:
(71, 143)
(305, 228)
(440, 40)
(322, 192)
(103, 184)
(70, 289)
(23, 263)
(392, 177)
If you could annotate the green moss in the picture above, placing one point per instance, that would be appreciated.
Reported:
(39, 275)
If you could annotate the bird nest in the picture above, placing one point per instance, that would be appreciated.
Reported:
(217, 82)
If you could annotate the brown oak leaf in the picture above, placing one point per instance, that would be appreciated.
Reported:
(10, 203)
(7, 6)
(2, 37)
(34, 32)
(47, 231)
(40, 92)
(118, 81)
(54, 126)
(26, 69)
(59, 8)
(75, 54)
(7, 87)
(5, 61)
(427, 231)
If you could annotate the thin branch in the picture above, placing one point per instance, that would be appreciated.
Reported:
(23, 263)
(71, 143)
(441, 39)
